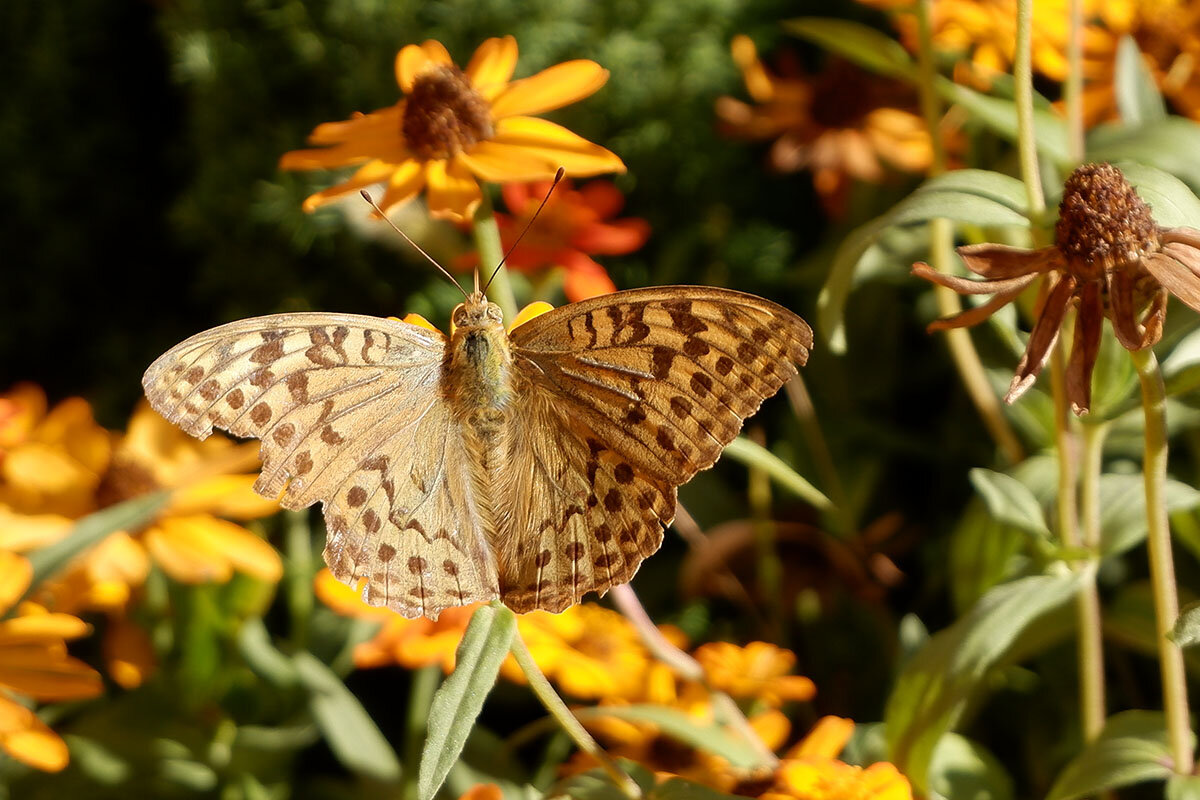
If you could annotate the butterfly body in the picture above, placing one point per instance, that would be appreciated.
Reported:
(530, 466)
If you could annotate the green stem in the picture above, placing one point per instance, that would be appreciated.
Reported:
(755, 455)
(806, 414)
(1023, 94)
(1162, 566)
(425, 682)
(1091, 641)
(562, 714)
(298, 544)
(941, 244)
(491, 251)
(1073, 89)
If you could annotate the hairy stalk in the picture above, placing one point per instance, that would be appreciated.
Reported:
(567, 720)
(1091, 642)
(1023, 94)
(1073, 88)
(1162, 565)
(686, 667)
(491, 250)
(806, 413)
(941, 243)
(425, 682)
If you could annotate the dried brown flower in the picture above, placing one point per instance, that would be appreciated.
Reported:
(1109, 259)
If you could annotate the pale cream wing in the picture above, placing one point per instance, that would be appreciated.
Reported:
(632, 393)
(350, 413)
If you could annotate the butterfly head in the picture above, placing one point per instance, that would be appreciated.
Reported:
(477, 312)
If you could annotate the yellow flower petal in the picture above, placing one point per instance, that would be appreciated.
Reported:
(41, 629)
(27, 739)
(413, 58)
(418, 320)
(453, 193)
(578, 156)
(492, 66)
(24, 532)
(502, 163)
(128, 653)
(551, 88)
(371, 173)
(405, 181)
(47, 673)
(249, 553)
(185, 552)
(15, 574)
(825, 740)
(529, 312)
(758, 82)
(379, 124)
(224, 495)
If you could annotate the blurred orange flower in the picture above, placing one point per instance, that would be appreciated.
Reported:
(410, 643)
(842, 124)
(34, 663)
(574, 225)
(758, 670)
(812, 771)
(455, 127)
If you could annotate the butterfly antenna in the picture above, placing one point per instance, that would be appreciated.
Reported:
(558, 176)
(416, 246)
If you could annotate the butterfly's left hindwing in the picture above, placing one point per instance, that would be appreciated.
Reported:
(349, 411)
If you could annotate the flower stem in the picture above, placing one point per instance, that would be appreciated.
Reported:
(567, 721)
(941, 242)
(806, 413)
(425, 682)
(1023, 94)
(687, 668)
(491, 250)
(1091, 642)
(1073, 88)
(1162, 565)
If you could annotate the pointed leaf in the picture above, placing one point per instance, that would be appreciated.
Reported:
(934, 687)
(348, 728)
(596, 784)
(1169, 145)
(1183, 787)
(963, 768)
(683, 728)
(1186, 631)
(1010, 502)
(1171, 202)
(680, 789)
(1123, 510)
(1000, 115)
(458, 701)
(1138, 98)
(869, 48)
(1132, 748)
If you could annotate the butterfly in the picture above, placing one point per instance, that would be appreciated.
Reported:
(531, 466)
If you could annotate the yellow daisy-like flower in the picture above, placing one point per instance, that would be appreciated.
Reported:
(812, 771)
(34, 663)
(455, 127)
(758, 670)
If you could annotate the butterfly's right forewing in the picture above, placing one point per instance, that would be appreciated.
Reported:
(349, 411)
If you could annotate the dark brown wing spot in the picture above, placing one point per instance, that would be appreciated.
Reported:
(260, 414)
(262, 378)
(417, 565)
(304, 463)
(386, 552)
(371, 521)
(283, 434)
(681, 406)
(724, 365)
(297, 384)
(574, 551)
(701, 384)
(194, 374)
(356, 496)
(635, 416)
(235, 399)
(623, 473)
(746, 352)
(612, 501)
(602, 533)
(695, 347)
(330, 436)
(268, 353)
(209, 390)
(661, 362)
(450, 567)
(761, 336)
(543, 558)
(683, 319)
(664, 440)
(374, 464)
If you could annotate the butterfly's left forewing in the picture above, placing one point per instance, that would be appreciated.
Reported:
(350, 413)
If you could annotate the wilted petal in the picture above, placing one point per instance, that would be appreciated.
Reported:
(1154, 319)
(1175, 278)
(1042, 338)
(1186, 236)
(1185, 254)
(1121, 311)
(1088, 324)
(967, 286)
(999, 261)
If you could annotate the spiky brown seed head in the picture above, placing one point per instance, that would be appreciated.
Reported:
(444, 115)
(1102, 223)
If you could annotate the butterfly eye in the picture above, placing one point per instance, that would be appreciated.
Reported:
(459, 317)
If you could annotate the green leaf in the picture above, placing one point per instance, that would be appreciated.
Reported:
(755, 455)
(1171, 201)
(1132, 748)
(351, 733)
(1123, 510)
(1010, 502)
(972, 196)
(1186, 630)
(680, 789)
(1138, 98)
(867, 47)
(91, 530)
(255, 645)
(963, 768)
(935, 686)
(458, 701)
(1183, 787)
(1170, 145)
(683, 728)
(1000, 116)
(97, 761)
(596, 784)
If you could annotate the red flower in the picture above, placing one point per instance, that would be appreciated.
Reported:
(574, 225)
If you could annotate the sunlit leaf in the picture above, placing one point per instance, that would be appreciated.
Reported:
(1132, 748)
(963, 768)
(1123, 509)
(1172, 203)
(936, 684)
(254, 643)
(867, 47)
(348, 728)
(1138, 98)
(1169, 144)
(683, 728)
(596, 784)
(458, 701)
(1000, 116)
(1186, 631)
(1010, 501)
(1183, 787)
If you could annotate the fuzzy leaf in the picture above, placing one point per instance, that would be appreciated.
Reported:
(867, 47)
(1138, 98)
(458, 701)
(1123, 509)
(1132, 748)
(1172, 203)
(935, 686)
(963, 768)
(1010, 501)
(1169, 145)
(1000, 115)
(347, 727)
(1186, 631)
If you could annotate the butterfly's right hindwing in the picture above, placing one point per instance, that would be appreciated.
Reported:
(349, 412)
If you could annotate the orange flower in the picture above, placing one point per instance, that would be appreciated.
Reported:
(811, 770)
(758, 670)
(841, 125)
(34, 663)
(454, 127)
(575, 224)
(410, 643)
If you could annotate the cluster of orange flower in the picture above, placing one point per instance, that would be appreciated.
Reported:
(57, 465)
(596, 655)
